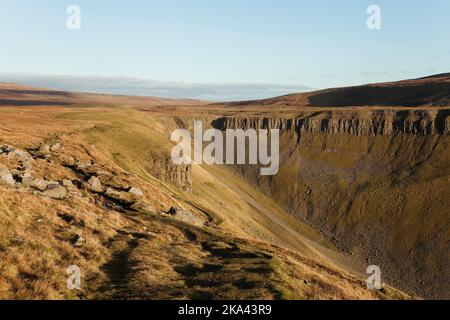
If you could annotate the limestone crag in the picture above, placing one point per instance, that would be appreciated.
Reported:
(367, 123)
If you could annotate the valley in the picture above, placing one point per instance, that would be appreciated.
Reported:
(363, 180)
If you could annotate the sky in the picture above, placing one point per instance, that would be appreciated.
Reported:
(220, 49)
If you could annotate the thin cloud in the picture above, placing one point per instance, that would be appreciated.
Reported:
(144, 87)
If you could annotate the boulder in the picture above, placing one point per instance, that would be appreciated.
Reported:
(55, 147)
(189, 217)
(27, 165)
(25, 175)
(39, 184)
(27, 181)
(119, 183)
(67, 183)
(67, 160)
(56, 192)
(83, 165)
(71, 188)
(136, 192)
(6, 175)
(52, 185)
(94, 184)
(20, 177)
(19, 155)
(45, 149)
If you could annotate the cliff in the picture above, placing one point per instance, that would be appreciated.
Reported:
(374, 182)
(367, 123)
(165, 170)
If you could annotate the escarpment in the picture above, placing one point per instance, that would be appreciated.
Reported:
(374, 182)
(367, 123)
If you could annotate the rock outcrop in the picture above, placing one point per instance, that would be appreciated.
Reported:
(6, 176)
(367, 123)
(56, 191)
(94, 184)
(166, 170)
(357, 176)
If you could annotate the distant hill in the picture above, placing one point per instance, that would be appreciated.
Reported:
(428, 91)
(12, 94)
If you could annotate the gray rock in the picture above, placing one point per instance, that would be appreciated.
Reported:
(55, 147)
(6, 176)
(39, 184)
(136, 192)
(67, 183)
(67, 160)
(27, 181)
(56, 192)
(19, 155)
(52, 185)
(94, 184)
(189, 217)
(27, 165)
(83, 165)
(25, 175)
(71, 188)
(45, 149)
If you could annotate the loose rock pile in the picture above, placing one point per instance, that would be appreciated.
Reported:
(94, 181)
(102, 185)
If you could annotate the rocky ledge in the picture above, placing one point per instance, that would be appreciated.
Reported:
(367, 123)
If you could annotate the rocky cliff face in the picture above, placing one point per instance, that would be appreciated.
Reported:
(368, 123)
(372, 181)
(165, 170)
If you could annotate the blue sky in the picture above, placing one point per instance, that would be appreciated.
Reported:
(281, 45)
